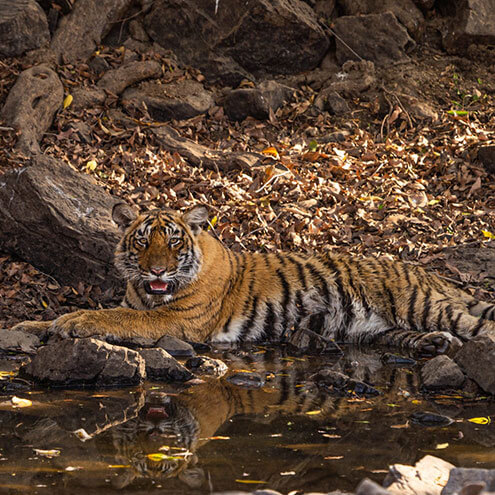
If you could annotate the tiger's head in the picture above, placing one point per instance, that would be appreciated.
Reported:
(159, 252)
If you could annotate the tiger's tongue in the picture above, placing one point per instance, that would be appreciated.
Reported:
(158, 285)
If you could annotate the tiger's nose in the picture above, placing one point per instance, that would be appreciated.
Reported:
(157, 270)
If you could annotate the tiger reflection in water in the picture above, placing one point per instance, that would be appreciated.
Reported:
(188, 421)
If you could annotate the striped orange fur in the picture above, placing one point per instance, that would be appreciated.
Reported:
(182, 281)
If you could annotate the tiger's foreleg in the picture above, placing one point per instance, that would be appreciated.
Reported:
(121, 322)
(36, 327)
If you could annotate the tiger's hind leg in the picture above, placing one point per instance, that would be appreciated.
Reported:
(481, 309)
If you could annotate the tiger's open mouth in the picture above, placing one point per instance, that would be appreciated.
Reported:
(157, 287)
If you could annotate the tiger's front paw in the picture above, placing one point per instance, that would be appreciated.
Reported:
(39, 328)
(79, 324)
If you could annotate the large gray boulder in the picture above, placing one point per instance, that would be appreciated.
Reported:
(71, 363)
(31, 104)
(59, 221)
(262, 36)
(23, 27)
(376, 37)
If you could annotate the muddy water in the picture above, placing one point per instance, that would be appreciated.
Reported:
(215, 435)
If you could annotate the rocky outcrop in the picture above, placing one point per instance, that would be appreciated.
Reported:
(85, 26)
(85, 362)
(31, 105)
(376, 37)
(176, 347)
(161, 366)
(262, 36)
(175, 100)
(23, 27)
(58, 220)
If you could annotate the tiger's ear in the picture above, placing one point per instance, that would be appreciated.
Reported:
(123, 215)
(195, 217)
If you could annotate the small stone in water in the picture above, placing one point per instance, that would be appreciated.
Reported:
(430, 419)
(397, 360)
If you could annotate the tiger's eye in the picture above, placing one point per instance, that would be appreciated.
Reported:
(141, 241)
(174, 241)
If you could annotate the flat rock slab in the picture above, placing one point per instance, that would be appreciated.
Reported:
(262, 36)
(18, 341)
(23, 27)
(176, 100)
(376, 37)
(31, 104)
(59, 221)
(85, 362)
(256, 102)
(176, 347)
(81, 30)
(161, 366)
(201, 156)
(476, 358)
(116, 80)
(427, 477)
(441, 372)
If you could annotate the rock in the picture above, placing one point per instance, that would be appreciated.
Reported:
(17, 341)
(430, 419)
(463, 477)
(131, 342)
(161, 366)
(98, 65)
(473, 22)
(376, 37)
(305, 341)
(85, 26)
(202, 156)
(427, 477)
(85, 362)
(175, 100)
(420, 110)
(442, 373)
(396, 360)
(476, 359)
(137, 31)
(176, 347)
(486, 155)
(256, 102)
(202, 365)
(262, 36)
(23, 27)
(83, 97)
(406, 11)
(31, 105)
(59, 221)
(330, 101)
(368, 487)
(117, 80)
(224, 70)
(354, 78)
(247, 380)
(336, 383)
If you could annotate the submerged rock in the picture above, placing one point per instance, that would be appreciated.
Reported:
(85, 362)
(247, 380)
(430, 419)
(462, 478)
(336, 383)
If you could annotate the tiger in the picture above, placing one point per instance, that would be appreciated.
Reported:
(183, 281)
